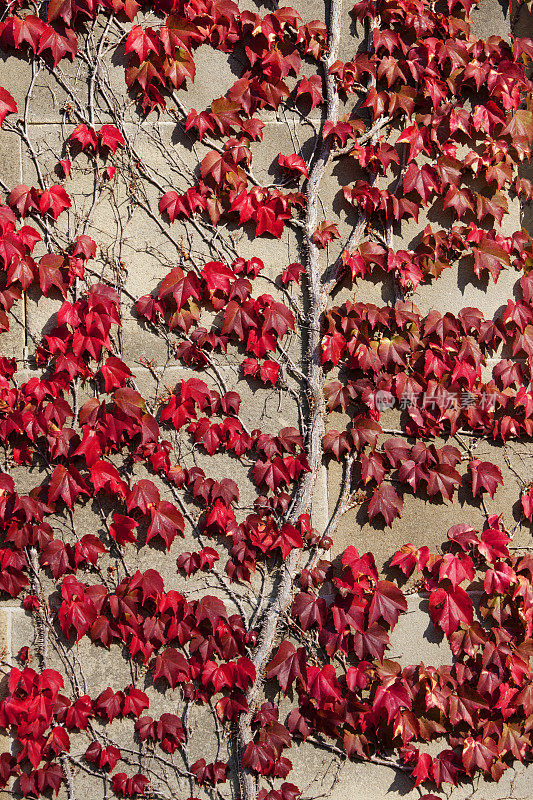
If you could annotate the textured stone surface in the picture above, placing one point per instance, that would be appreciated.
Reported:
(141, 251)
(381, 782)
(16, 631)
(416, 639)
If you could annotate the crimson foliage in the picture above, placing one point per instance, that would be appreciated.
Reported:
(439, 119)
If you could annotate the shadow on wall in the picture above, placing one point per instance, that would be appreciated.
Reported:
(524, 27)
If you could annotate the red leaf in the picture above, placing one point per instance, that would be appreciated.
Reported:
(23, 199)
(122, 529)
(493, 544)
(364, 430)
(325, 233)
(218, 675)
(172, 666)
(105, 758)
(169, 732)
(293, 163)
(166, 522)
(79, 713)
(485, 476)
(406, 559)
(129, 787)
(50, 273)
(287, 665)
(85, 247)
(292, 273)
(310, 610)
(421, 771)
(479, 754)
(146, 728)
(443, 479)
(313, 87)
(88, 549)
(449, 608)
(105, 475)
(520, 126)
(259, 757)
(202, 122)
(171, 205)
(56, 742)
(269, 221)
(456, 569)
(63, 9)
(144, 495)
(229, 708)
(110, 137)
(115, 373)
(59, 45)
(66, 166)
(269, 372)
(109, 704)
(498, 579)
(188, 562)
(218, 276)
(130, 402)
(272, 473)
(527, 503)
(324, 686)
(142, 42)
(7, 105)
(135, 702)
(67, 484)
(54, 200)
(85, 136)
(387, 503)
(336, 443)
(388, 602)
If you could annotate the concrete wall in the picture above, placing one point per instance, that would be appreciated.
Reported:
(135, 252)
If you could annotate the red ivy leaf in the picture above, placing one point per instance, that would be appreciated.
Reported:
(67, 484)
(7, 105)
(287, 665)
(313, 87)
(54, 200)
(293, 163)
(85, 136)
(115, 373)
(292, 273)
(110, 137)
(172, 667)
(388, 602)
(450, 607)
(485, 477)
(167, 522)
(387, 503)
(129, 787)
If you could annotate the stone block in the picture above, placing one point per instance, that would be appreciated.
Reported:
(491, 19)
(16, 631)
(10, 162)
(524, 20)
(426, 521)
(138, 248)
(41, 314)
(322, 773)
(216, 72)
(13, 340)
(415, 638)
(458, 288)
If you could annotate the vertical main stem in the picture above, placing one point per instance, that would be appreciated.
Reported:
(316, 427)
